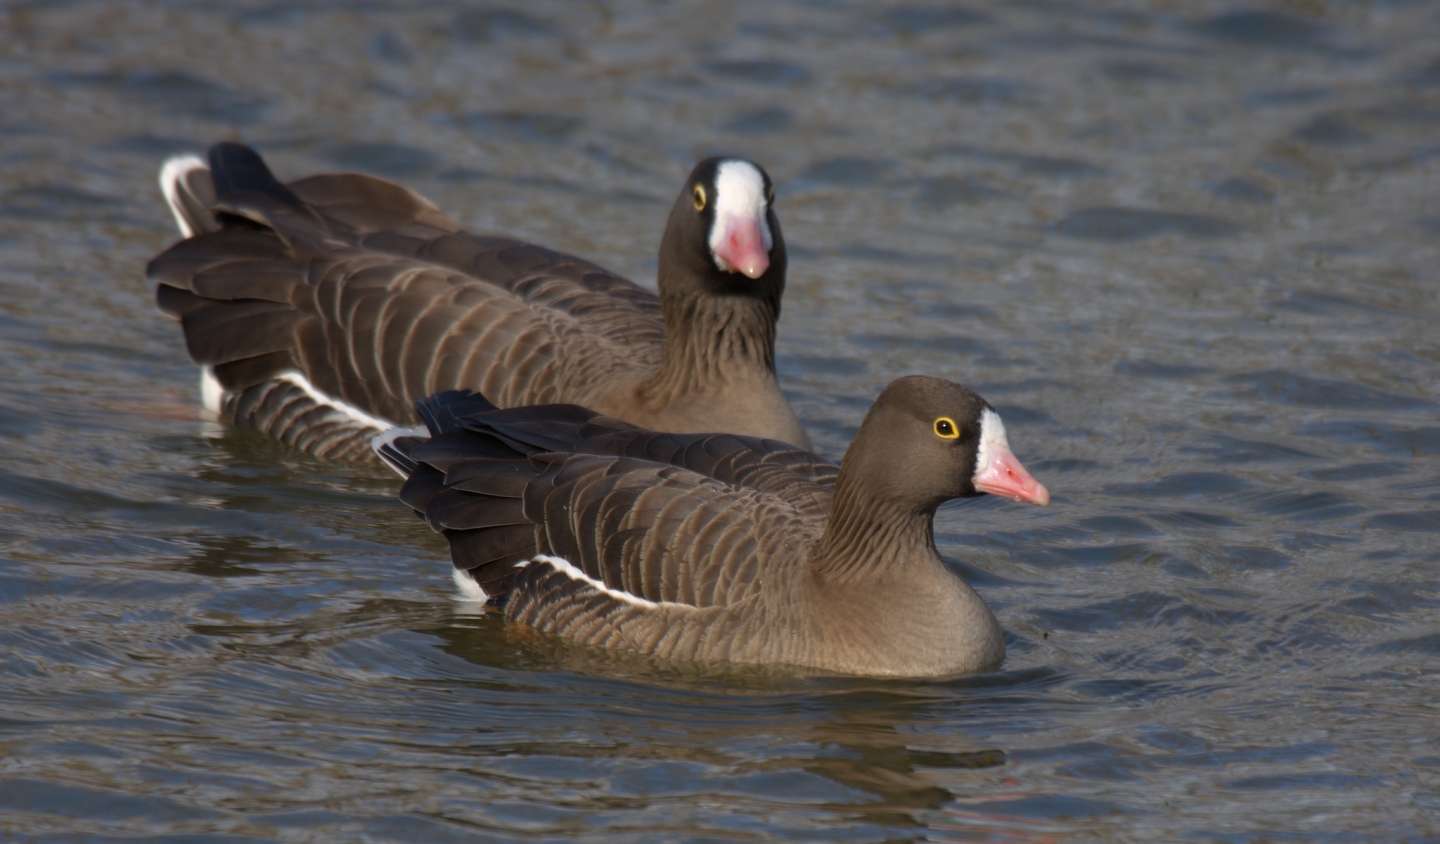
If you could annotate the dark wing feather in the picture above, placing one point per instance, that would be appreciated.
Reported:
(245, 188)
(366, 205)
(767, 466)
(240, 331)
(654, 531)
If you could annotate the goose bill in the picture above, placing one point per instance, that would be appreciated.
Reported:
(740, 246)
(1006, 477)
(998, 471)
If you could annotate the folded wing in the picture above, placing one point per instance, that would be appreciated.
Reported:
(374, 298)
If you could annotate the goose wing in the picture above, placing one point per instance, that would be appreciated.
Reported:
(375, 298)
(503, 487)
(771, 467)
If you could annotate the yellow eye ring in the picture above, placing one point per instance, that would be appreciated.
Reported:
(699, 196)
(946, 429)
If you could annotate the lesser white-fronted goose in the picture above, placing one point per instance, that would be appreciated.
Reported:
(717, 547)
(322, 309)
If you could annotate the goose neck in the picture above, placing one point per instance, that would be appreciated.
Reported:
(713, 340)
(870, 534)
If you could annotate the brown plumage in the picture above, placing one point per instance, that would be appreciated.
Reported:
(717, 547)
(324, 308)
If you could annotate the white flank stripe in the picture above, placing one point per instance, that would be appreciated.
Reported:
(992, 437)
(212, 395)
(470, 591)
(172, 174)
(350, 411)
(566, 568)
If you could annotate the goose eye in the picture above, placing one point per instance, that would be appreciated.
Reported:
(699, 193)
(946, 429)
(769, 194)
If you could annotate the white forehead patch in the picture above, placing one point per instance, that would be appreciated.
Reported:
(739, 194)
(992, 440)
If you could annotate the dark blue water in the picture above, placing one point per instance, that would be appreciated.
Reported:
(1190, 251)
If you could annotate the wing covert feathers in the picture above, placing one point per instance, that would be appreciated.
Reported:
(672, 520)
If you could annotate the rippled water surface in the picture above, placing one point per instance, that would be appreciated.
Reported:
(1188, 249)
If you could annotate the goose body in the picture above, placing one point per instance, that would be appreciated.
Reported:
(719, 547)
(320, 310)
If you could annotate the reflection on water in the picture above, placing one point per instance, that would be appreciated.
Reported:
(1188, 250)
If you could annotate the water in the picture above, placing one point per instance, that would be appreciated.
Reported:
(1189, 250)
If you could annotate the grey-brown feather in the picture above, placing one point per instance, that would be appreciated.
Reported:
(286, 413)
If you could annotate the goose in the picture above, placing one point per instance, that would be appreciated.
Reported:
(719, 547)
(322, 309)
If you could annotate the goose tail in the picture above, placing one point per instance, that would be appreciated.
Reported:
(190, 192)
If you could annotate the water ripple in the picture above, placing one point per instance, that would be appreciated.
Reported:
(1188, 253)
